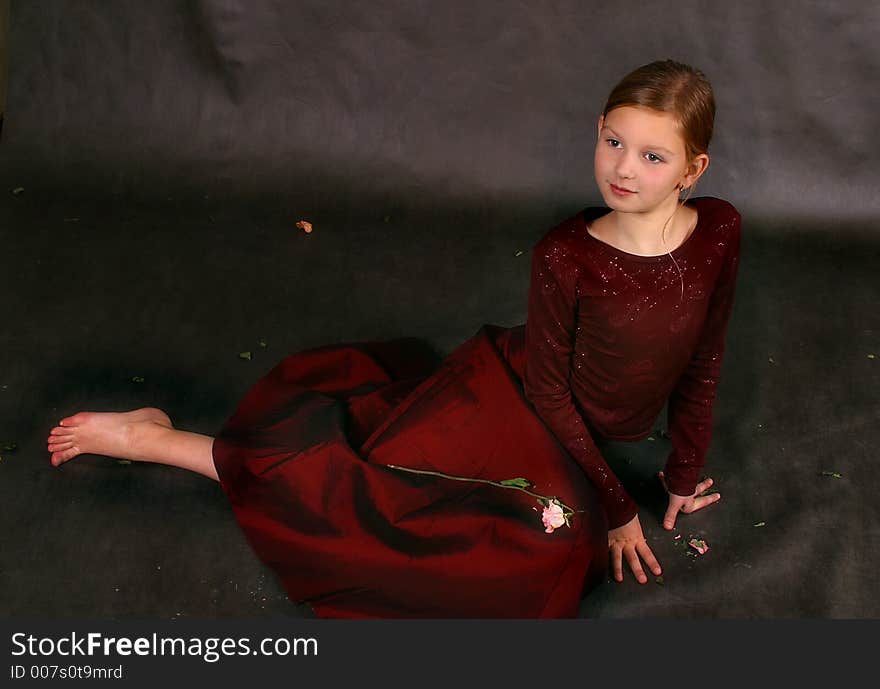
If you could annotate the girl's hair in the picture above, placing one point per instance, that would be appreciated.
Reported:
(672, 87)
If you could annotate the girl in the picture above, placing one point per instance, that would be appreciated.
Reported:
(628, 307)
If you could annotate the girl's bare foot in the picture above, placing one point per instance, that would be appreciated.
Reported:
(100, 433)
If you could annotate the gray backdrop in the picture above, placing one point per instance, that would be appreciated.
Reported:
(485, 103)
(166, 149)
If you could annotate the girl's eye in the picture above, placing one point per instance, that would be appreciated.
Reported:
(654, 158)
(613, 142)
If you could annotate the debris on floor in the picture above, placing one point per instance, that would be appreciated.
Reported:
(757, 524)
(831, 474)
(699, 545)
(304, 225)
(244, 355)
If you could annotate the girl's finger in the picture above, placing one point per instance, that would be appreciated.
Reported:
(703, 485)
(648, 556)
(669, 517)
(636, 566)
(705, 501)
(616, 563)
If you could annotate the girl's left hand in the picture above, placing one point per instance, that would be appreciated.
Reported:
(687, 504)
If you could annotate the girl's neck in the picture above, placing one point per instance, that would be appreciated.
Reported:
(643, 231)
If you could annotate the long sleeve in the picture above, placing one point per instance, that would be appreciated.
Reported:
(549, 342)
(689, 413)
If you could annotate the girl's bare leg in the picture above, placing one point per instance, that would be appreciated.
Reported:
(142, 435)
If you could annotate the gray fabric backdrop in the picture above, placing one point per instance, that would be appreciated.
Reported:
(341, 103)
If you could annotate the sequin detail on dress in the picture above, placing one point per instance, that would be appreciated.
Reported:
(610, 338)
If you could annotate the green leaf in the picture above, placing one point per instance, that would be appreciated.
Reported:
(137, 379)
(758, 524)
(263, 344)
(516, 482)
(832, 474)
(244, 355)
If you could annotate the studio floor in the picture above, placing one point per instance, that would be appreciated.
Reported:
(111, 304)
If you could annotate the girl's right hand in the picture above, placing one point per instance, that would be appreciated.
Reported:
(628, 541)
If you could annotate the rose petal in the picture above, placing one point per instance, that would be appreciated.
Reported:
(699, 545)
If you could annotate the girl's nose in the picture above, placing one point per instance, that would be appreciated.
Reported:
(624, 167)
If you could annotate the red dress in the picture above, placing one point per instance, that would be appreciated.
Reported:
(302, 458)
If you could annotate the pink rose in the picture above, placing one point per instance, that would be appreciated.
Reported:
(553, 516)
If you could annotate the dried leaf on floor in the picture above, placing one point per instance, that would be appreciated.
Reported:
(244, 355)
(831, 474)
(304, 225)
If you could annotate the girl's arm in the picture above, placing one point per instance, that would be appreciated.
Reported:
(549, 343)
(689, 413)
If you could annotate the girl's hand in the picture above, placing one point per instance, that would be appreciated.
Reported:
(687, 504)
(629, 542)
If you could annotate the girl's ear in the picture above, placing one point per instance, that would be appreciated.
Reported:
(599, 126)
(695, 169)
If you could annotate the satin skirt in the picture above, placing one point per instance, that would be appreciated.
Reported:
(303, 461)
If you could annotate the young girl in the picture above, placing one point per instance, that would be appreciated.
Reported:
(628, 307)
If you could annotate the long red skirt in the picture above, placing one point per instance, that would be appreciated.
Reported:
(301, 461)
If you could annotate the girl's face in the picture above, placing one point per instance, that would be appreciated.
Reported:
(640, 159)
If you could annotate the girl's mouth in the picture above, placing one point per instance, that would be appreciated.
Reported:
(620, 191)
